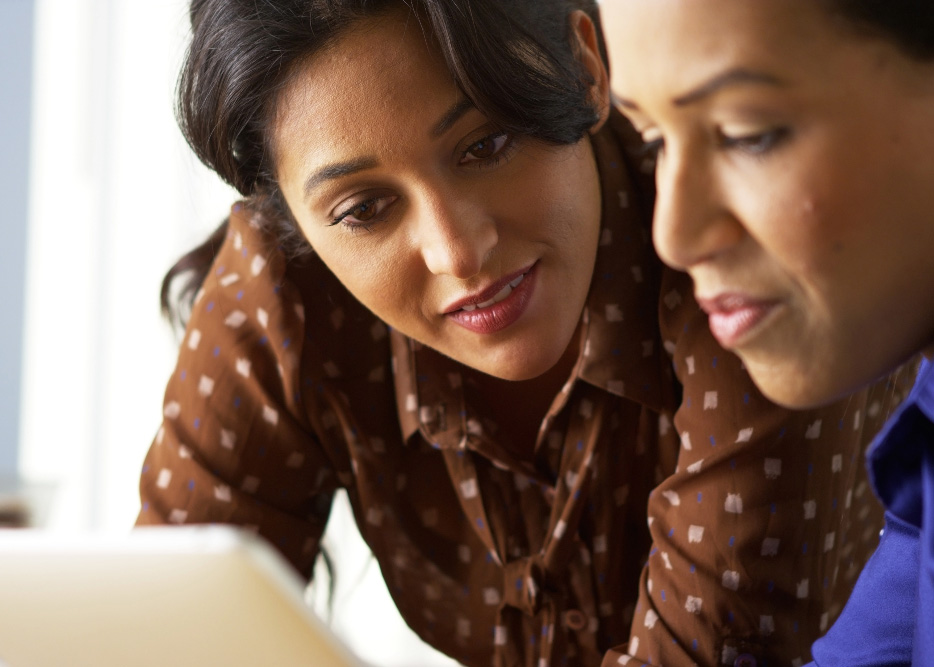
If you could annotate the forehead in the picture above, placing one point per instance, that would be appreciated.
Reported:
(685, 40)
(380, 76)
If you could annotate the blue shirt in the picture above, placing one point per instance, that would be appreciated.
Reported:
(889, 619)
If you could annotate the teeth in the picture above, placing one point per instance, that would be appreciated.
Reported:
(502, 294)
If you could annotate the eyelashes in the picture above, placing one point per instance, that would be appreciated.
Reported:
(485, 153)
(363, 215)
(755, 144)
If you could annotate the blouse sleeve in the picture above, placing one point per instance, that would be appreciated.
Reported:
(236, 446)
(761, 529)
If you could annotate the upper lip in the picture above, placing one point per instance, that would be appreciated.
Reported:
(488, 292)
(728, 302)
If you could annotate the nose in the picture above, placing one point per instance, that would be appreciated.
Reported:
(456, 235)
(693, 221)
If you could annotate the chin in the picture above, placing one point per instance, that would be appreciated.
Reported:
(796, 387)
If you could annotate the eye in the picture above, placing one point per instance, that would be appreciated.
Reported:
(488, 150)
(756, 143)
(364, 214)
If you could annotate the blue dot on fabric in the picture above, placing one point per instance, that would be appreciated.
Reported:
(217, 350)
(732, 464)
(694, 644)
(239, 295)
(480, 524)
(197, 422)
(210, 306)
(713, 443)
(713, 363)
(770, 586)
(580, 445)
(729, 617)
(243, 252)
(236, 401)
(833, 503)
(145, 506)
(840, 425)
(781, 434)
(700, 496)
(746, 398)
(810, 468)
(183, 374)
(145, 468)
(220, 270)
(519, 584)
(732, 540)
(688, 402)
(773, 509)
(191, 484)
(671, 532)
(264, 340)
(804, 548)
(664, 597)
(795, 626)
(692, 569)
(286, 342)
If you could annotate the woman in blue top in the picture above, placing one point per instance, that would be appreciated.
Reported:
(795, 171)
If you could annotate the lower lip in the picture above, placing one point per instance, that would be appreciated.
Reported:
(499, 316)
(732, 327)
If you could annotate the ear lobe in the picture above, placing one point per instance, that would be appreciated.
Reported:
(588, 47)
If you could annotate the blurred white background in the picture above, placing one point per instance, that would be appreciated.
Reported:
(113, 197)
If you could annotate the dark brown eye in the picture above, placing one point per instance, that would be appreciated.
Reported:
(485, 149)
(365, 211)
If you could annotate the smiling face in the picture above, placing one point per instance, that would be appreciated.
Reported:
(795, 178)
(475, 242)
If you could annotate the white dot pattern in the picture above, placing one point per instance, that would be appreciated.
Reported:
(286, 388)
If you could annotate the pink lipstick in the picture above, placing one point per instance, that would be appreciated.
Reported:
(732, 316)
(498, 306)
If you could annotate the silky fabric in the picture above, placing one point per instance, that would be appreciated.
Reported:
(668, 514)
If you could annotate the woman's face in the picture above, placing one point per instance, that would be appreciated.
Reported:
(796, 182)
(475, 242)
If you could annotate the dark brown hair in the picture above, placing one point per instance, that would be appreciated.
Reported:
(514, 59)
(909, 24)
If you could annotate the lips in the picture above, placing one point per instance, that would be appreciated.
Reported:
(732, 317)
(492, 294)
(498, 306)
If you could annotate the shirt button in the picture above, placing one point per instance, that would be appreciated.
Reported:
(745, 660)
(575, 619)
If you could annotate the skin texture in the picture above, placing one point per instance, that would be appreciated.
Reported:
(796, 182)
(448, 214)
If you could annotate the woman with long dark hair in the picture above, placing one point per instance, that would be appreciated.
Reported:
(439, 294)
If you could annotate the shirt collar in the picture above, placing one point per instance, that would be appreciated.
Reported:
(619, 345)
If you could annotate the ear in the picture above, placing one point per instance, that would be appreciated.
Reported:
(588, 47)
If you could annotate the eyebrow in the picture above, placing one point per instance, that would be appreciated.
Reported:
(452, 115)
(733, 77)
(340, 169)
